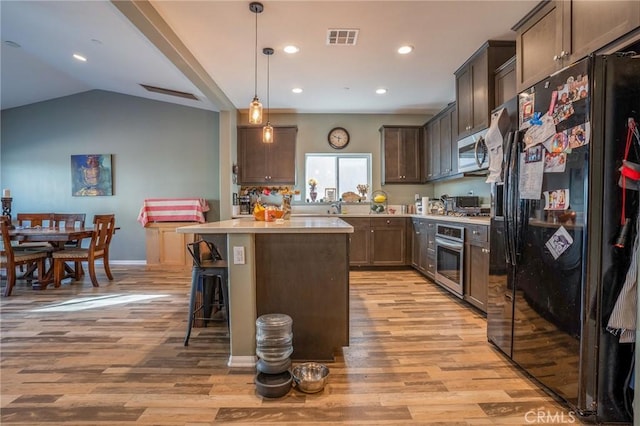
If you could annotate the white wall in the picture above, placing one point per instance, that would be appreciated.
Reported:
(158, 150)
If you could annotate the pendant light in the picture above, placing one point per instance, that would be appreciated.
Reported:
(255, 108)
(267, 131)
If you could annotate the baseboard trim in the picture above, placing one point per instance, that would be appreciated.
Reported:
(241, 361)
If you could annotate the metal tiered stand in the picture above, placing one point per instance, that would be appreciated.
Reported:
(379, 206)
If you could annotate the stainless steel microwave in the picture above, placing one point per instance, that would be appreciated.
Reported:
(472, 153)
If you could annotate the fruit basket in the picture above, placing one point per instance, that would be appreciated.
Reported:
(378, 202)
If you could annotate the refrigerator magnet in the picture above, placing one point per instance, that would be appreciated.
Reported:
(559, 242)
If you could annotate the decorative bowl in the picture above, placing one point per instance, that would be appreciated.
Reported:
(310, 377)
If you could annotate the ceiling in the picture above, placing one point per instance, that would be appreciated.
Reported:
(207, 48)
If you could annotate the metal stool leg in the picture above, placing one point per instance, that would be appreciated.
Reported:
(195, 277)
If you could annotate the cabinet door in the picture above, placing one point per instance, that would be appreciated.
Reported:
(453, 113)
(445, 144)
(538, 45)
(430, 261)
(505, 82)
(281, 156)
(477, 275)
(416, 237)
(426, 154)
(252, 156)
(434, 147)
(464, 100)
(591, 25)
(480, 92)
(410, 154)
(388, 242)
(391, 147)
(359, 253)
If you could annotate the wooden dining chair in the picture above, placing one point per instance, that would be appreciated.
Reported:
(103, 227)
(10, 259)
(33, 220)
(71, 221)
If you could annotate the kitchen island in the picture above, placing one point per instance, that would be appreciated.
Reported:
(298, 267)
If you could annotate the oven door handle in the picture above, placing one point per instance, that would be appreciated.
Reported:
(449, 244)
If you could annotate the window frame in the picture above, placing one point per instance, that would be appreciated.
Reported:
(363, 155)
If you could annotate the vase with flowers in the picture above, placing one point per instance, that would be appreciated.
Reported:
(312, 189)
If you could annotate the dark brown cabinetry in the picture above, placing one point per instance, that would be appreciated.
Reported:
(505, 78)
(423, 254)
(475, 86)
(441, 144)
(378, 241)
(359, 253)
(558, 33)
(402, 150)
(261, 163)
(476, 266)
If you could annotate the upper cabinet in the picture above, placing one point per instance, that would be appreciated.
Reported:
(267, 163)
(441, 145)
(402, 150)
(557, 33)
(475, 86)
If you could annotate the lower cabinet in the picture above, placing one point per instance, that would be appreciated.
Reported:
(476, 266)
(378, 241)
(167, 249)
(423, 254)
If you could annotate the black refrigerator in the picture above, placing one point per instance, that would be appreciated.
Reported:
(558, 261)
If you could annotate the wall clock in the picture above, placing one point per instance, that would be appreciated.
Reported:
(338, 137)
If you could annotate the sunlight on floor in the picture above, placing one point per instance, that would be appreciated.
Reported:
(93, 302)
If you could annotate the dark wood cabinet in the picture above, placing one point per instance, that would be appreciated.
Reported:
(402, 152)
(378, 241)
(388, 241)
(441, 144)
(505, 79)
(423, 254)
(270, 164)
(475, 86)
(558, 33)
(359, 253)
(476, 266)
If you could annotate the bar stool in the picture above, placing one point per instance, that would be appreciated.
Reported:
(210, 279)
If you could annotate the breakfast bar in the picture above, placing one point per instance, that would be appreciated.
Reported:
(298, 267)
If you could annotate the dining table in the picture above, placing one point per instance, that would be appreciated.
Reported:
(57, 237)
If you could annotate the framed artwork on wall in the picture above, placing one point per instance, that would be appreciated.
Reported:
(91, 175)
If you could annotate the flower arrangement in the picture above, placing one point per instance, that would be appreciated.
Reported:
(363, 188)
(312, 184)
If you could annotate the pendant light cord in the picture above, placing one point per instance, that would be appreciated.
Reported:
(268, 67)
(255, 60)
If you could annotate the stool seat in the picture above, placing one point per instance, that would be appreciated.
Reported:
(209, 278)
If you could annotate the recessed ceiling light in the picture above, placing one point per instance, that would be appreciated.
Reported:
(403, 50)
(291, 49)
(381, 91)
(79, 57)
(296, 90)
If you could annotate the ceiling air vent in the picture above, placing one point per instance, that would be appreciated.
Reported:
(342, 37)
(170, 92)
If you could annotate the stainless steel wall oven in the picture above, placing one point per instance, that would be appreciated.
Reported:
(450, 258)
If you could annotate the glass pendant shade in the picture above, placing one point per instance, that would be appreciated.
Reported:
(267, 133)
(255, 111)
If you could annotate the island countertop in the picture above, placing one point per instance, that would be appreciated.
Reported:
(295, 225)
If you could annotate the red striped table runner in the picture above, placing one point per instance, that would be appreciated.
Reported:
(173, 210)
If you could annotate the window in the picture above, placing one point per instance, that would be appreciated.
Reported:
(337, 173)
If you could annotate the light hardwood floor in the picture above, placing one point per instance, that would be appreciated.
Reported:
(417, 355)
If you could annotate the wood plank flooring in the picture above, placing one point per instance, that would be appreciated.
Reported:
(417, 356)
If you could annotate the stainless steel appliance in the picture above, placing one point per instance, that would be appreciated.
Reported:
(548, 310)
(472, 153)
(450, 258)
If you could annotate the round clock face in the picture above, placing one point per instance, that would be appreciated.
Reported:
(338, 137)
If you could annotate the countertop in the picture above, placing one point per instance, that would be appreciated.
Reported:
(296, 225)
(476, 220)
